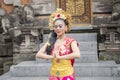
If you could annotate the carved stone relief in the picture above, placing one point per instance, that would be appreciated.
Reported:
(116, 11)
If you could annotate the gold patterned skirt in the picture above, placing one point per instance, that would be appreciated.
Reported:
(61, 70)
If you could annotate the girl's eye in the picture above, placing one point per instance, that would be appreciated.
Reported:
(60, 26)
(55, 26)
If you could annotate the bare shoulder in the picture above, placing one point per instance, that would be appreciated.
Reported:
(74, 43)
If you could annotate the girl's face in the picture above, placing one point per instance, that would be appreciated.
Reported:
(59, 27)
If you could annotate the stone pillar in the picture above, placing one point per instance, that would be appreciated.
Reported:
(112, 38)
(5, 53)
(29, 43)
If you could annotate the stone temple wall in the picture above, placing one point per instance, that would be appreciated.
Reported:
(20, 32)
(106, 18)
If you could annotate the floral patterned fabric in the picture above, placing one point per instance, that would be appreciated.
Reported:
(63, 69)
(70, 77)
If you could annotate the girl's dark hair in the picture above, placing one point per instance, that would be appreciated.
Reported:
(52, 40)
(66, 22)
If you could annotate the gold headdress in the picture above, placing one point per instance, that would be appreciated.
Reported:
(59, 13)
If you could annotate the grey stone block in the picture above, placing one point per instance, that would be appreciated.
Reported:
(104, 69)
(106, 7)
(5, 76)
(32, 68)
(43, 60)
(77, 78)
(84, 46)
(86, 57)
(77, 36)
(46, 8)
(88, 46)
(77, 27)
(7, 63)
(1, 71)
(1, 62)
(17, 58)
(119, 71)
(92, 71)
(28, 78)
(39, 1)
(83, 36)
(88, 52)
(3, 49)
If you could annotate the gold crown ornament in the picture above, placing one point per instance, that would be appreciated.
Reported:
(60, 14)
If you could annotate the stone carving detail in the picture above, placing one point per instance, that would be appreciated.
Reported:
(25, 36)
(9, 21)
(116, 11)
(110, 32)
(5, 24)
(28, 13)
(101, 7)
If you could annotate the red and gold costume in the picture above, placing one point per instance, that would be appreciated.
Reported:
(62, 69)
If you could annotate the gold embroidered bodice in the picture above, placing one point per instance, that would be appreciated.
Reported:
(63, 67)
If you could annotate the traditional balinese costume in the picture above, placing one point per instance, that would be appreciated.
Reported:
(62, 69)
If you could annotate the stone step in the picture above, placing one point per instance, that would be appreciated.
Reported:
(5, 76)
(77, 78)
(86, 57)
(88, 46)
(84, 46)
(77, 36)
(82, 59)
(33, 68)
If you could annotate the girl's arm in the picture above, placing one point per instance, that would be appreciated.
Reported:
(42, 53)
(73, 55)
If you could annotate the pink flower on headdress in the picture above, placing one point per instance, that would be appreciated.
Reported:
(58, 15)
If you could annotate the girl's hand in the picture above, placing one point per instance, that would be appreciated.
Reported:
(53, 55)
(56, 54)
